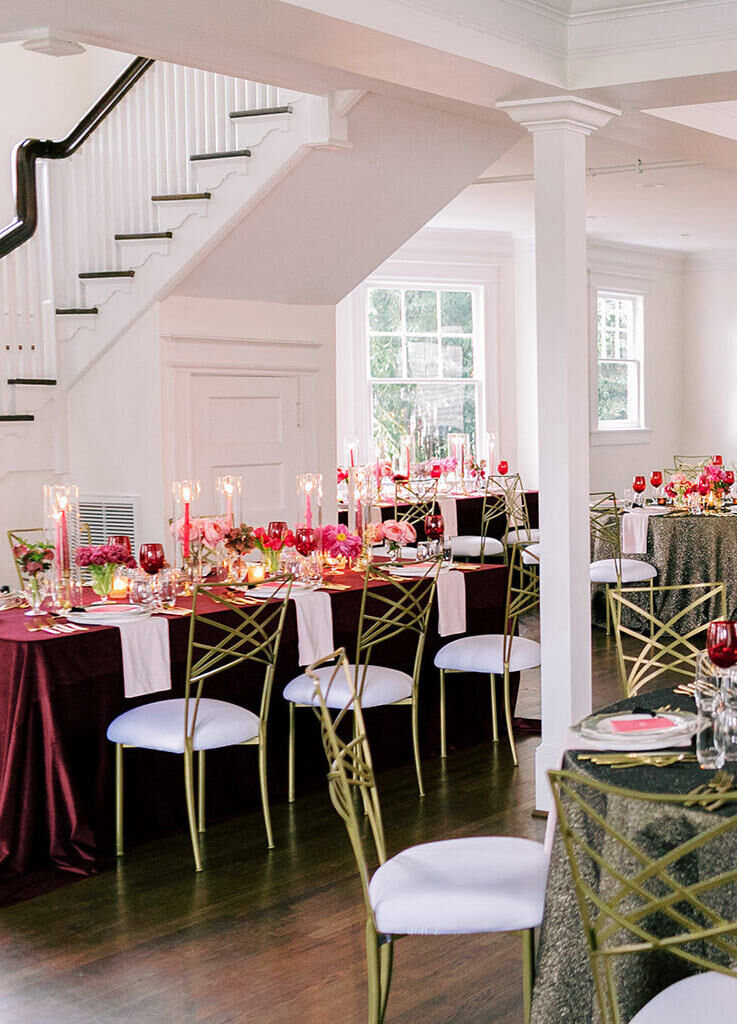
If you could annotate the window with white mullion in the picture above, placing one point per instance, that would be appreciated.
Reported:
(620, 359)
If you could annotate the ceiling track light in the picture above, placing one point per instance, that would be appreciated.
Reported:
(638, 167)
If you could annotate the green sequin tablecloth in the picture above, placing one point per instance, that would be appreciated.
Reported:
(563, 991)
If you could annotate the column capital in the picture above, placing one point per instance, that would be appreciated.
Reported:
(551, 113)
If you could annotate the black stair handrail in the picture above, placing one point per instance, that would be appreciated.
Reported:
(24, 224)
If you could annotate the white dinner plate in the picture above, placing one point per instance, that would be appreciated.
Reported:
(109, 614)
(270, 589)
(418, 569)
(602, 728)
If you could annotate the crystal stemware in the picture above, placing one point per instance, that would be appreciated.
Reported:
(721, 643)
(152, 558)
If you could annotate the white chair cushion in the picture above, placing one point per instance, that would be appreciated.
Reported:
(382, 686)
(523, 536)
(709, 996)
(160, 725)
(633, 571)
(486, 654)
(531, 554)
(470, 546)
(457, 886)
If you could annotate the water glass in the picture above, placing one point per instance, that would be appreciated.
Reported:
(628, 497)
(423, 552)
(447, 549)
(166, 588)
(713, 727)
(140, 589)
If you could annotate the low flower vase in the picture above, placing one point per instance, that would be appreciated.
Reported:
(272, 559)
(102, 579)
(395, 552)
(35, 589)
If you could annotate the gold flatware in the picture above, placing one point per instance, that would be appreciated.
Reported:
(722, 782)
(638, 759)
(334, 586)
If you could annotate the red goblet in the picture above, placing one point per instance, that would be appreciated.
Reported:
(152, 558)
(729, 477)
(503, 467)
(434, 526)
(123, 541)
(656, 478)
(277, 529)
(721, 643)
(305, 540)
(638, 484)
(717, 460)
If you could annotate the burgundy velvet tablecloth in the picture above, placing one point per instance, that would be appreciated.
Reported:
(59, 693)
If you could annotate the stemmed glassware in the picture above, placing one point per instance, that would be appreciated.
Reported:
(152, 558)
(638, 486)
(503, 468)
(276, 529)
(721, 643)
(305, 543)
(656, 482)
(434, 529)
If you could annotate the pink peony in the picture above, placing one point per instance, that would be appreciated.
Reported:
(337, 542)
(104, 554)
(399, 532)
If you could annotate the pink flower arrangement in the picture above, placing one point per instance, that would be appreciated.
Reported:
(342, 475)
(434, 468)
(713, 478)
(373, 533)
(679, 486)
(210, 530)
(264, 542)
(104, 554)
(33, 558)
(338, 542)
(398, 533)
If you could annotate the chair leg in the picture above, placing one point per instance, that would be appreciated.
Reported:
(290, 793)
(443, 741)
(200, 790)
(652, 609)
(508, 716)
(374, 974)
(119, 799)
(608, 612)
(494, 722)
(386, 956)
(528, 970)
(416, 741)
(263, 784)
(189, 794)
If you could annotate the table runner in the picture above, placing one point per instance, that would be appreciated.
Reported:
(449, 512)
(146, 662)
(314, 625)
(451, 593)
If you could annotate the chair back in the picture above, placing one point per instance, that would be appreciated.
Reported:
(403, 609)
(419, 496)
(350, 768)
(668, 887)
(493, 511)
(657, 646)
(605, 526)
(16, 537)
(252, 632)
(523, 592)
(690, 463)
(518, 516)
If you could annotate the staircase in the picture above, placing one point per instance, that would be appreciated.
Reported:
(174, 166)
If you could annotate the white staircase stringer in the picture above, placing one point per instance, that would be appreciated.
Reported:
(314, 125)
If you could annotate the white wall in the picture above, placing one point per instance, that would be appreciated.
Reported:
(617, 456)
(710, 364)
(44, 97)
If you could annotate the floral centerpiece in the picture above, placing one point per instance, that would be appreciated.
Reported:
(33, 560)
(271, 546)
(713, 484)
(239, 540)
(397, 534)
(338, 542)
(477, 469)
(102, 560)
(678, 489)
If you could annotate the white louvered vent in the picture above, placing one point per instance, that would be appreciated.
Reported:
(109, 515)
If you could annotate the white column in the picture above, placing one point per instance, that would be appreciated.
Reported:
(560, 125)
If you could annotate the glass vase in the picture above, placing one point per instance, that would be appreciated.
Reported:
(35, 589)
(102, 579)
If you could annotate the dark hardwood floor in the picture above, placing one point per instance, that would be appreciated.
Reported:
(276, 937)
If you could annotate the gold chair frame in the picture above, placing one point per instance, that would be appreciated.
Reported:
(690, 463)
(662, 649)
(383, 617)
(350, 768)
(256, 637)
(518, 515)
(420, 495)
(523, 597)
(646, 890)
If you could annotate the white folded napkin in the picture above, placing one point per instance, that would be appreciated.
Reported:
(146, 663)
(634, 533)
(449, 512)
(314, 625)
(451, 603)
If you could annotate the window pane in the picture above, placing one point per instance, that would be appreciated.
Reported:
(384, 309)
(456, 313)
(457, 357)
(386, 355)
(421, 311)
(422, 357)
(437, 408)
(613, 392)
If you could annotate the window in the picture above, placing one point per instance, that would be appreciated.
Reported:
(425, 370)
(619, 351)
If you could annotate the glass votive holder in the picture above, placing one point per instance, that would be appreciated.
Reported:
(714, 724)
(165, 588)
(140, 589)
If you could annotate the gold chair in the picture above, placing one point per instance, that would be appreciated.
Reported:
(197, 723)
(493, 510)
(605, 520)
(471, 885)
(633, 900)
(420, 498)
(661, 645)
(518, 530)
(499, 653)
(690, 463)
(401, 610)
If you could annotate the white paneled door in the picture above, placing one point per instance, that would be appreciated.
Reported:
(248, 425)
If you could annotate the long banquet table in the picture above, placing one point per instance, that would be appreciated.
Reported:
(564, 989)
(58, 694)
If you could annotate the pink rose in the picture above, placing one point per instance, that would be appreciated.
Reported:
(213, 531)
(20, 550)
(399, 532)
